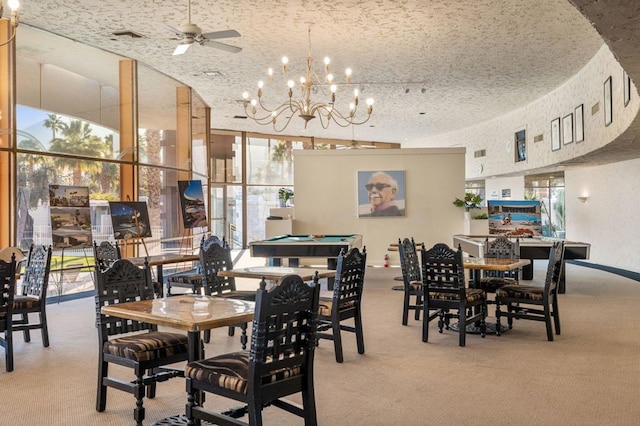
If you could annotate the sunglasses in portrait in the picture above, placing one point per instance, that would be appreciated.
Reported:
(378, 186)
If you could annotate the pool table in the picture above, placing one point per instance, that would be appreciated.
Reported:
(294, 247)
(530, 248)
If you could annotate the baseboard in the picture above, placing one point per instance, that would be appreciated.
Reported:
(618, 271)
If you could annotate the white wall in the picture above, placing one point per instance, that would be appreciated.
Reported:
(494, 187)
(326, 195)
(609, 218)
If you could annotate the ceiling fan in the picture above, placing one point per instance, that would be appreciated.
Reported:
(189, 33)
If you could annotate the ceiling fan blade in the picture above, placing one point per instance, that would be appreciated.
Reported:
(181, 48)
(173, 30)
(221, 34)
(222, 46)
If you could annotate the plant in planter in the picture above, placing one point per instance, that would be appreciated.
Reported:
(470, 201)
(284, 195)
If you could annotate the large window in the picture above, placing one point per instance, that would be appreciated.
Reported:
(549, 189)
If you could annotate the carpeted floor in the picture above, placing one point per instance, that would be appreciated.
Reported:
(590, 375)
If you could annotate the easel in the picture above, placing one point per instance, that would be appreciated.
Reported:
(61, 269)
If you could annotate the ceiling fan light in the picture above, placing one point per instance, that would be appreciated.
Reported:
(181, 48)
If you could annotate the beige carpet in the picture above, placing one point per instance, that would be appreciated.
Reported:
(589, 376)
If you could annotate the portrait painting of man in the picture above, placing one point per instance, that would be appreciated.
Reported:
(381, 193)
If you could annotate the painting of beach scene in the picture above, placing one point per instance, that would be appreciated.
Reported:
(194, 214)
(70, 216)
(514, 218)
(130, 219)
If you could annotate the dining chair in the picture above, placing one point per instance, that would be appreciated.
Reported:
(500, 248)
(346, 302)
(129, 343)
(537, 303)
(445, 291)
(280, 362)
(192, 278)
(412, 279)
(213, 259)
(106, 253)
(31, 295)
(7, 288)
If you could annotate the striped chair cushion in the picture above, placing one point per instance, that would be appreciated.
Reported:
(415, 286)
(526, 292)
(473, 295)
(230, 371)
(147, 346)
(25, 302)
(326, 306)
(491, 284)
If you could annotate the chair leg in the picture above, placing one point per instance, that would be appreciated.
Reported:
(556, 315)
(26, 332)
(255, 411)
(337, 339)
(45, 328)
(462, 327)
(405, 309)
(425, 323)
(8, 348)
(547, 321)
(103, 371)
(359, 332)
(191, 402)
(207, 336)
(151, 387)
(243, 336)
(498, 326)
(309, 403)
(232, 331)
(417, 309)
(138, 393)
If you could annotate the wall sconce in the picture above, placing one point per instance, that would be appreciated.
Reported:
(583, 199)
(13, 5)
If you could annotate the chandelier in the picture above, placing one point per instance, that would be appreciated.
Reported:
(303, 105)
(13, 5)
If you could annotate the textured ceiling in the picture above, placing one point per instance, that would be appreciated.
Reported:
(476, 59)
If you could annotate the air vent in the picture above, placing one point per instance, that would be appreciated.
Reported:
(480, 153)
(126, 34)
(595, 109)
(538, 138)
(241, 117)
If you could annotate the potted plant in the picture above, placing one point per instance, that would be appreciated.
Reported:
(284, 195)
(470, 201)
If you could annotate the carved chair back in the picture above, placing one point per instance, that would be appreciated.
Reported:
(215, 258)
(36, 274)
(106, 253)
(443, 271)
(349, 281)
(554, 270)
(409, 262)
(119, 283)
(7, 288)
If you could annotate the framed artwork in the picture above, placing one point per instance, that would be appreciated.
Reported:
(520, 139)
(555, 134)
(579, 125)
(70, 216)
(627, 87)
(130, 219)
(194, 214)
(567, 129)
(381, 193)
(608, 102)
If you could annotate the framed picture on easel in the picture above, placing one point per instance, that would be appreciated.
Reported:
(70, 216)
(194, 213)
(130, 219)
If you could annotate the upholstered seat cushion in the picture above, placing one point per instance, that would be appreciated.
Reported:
(491, 284)
(473, 295)
(25, 302)
(230, 371)
(527, 292)
(326, 306)
(190, 277)
(147, 346)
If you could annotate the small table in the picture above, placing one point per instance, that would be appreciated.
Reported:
(190, 313)
(479, 264)
(274, 273)
(159, 260)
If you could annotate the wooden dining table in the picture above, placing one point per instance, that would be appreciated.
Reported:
(159, 260)
(275, 273)
(191, 313)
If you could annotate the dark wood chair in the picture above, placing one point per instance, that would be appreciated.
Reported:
(500, 248)
(280, 362)
(412, 279)
(7, 288)
(445, 294)
(215, 258)
(346, 302)
(534, 302)
(106, 253)
(32, 296)
(133, 344)
(192, 279)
